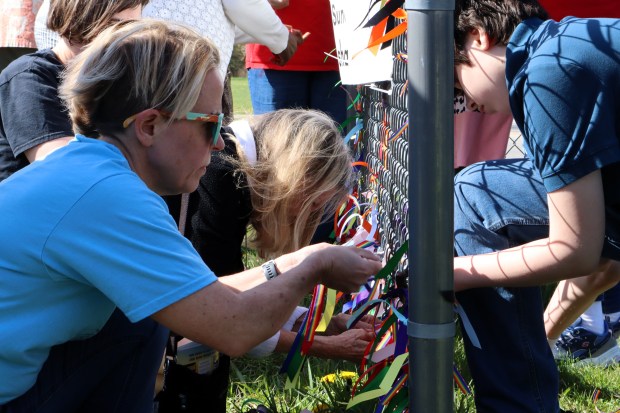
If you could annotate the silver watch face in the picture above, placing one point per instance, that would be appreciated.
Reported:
(269, 269)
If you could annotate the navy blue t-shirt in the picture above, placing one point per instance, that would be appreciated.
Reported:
(31, 113)
(564, 84)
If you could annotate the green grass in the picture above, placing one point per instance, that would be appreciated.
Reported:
(242, 106)
(255, 381)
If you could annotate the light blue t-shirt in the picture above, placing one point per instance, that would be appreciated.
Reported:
(80, 235)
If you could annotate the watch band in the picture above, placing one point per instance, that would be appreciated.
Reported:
(270, 270)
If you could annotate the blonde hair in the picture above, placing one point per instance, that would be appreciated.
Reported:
(303, 173)
(134, 66)
(80, 21)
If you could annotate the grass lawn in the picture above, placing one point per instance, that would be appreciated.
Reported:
(242, 106)
(256, 381)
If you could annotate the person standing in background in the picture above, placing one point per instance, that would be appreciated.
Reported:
(17, 29)
(223, 21)
(309, 80)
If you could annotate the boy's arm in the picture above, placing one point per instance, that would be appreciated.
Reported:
(573, 248)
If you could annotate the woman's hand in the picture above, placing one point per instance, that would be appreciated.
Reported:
(278, 4)
(338, 324)
(348, 345)
(295, 38)
(344, 268)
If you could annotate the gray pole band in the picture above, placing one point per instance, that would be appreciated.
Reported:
(421, 5)
(431, 331)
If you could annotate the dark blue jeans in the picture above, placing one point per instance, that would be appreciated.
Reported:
(498, 205)
(611, 300)
(113, 371)
(281, 89)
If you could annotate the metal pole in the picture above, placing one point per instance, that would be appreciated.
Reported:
(431, 325)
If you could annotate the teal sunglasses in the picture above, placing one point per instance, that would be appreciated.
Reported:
(215, 119)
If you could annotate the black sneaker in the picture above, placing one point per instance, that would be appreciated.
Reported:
(585, 346)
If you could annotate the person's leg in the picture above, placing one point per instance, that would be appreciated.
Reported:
(113, 371)
(498, 205)
(326, 94)
(574, 319)
(277, 89)
(573, 297)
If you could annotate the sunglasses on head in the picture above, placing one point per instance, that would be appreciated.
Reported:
(215, 119)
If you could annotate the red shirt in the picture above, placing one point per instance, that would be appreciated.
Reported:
(559, 9)
(312, 16)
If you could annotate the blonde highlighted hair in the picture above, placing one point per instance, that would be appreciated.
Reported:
(134, 66)
(302, 174)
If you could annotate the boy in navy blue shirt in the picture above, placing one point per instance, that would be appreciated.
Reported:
(521, 223)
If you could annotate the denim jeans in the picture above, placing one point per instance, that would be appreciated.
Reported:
(498, 205)
(279, 89)
(113, 371)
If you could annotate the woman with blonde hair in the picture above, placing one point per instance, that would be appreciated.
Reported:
(302, 171)
(279, 173)
(98, 270)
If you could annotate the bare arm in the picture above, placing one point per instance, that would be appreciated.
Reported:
(338, 343)
(258, 23)
(233, 322)
(349, 345)
(42, 150)
(573, 248)
(254, 276)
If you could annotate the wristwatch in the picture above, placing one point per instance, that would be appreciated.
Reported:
(270, 270)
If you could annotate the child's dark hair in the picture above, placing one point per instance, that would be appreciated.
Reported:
(498, 18)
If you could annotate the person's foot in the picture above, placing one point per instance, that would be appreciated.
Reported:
(586, 347)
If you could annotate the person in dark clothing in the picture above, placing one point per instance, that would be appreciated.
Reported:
(33, 121)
